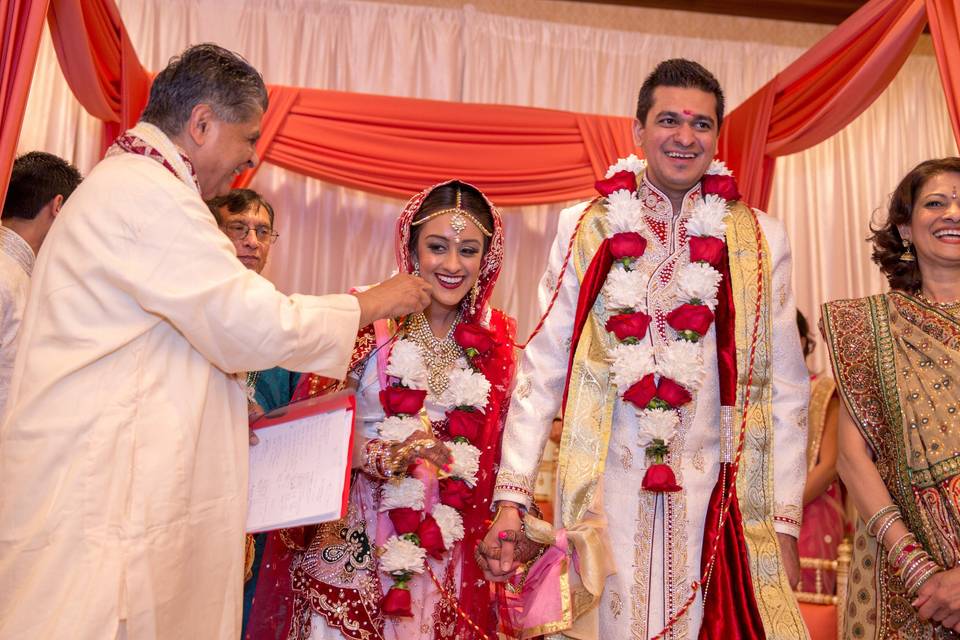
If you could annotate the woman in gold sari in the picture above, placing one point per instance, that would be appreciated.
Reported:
(896, 359)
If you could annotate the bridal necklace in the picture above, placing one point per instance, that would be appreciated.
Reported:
(439, 354)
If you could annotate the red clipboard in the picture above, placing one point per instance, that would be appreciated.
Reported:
(317, 406)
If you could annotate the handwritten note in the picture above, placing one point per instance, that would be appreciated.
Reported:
(298, 471)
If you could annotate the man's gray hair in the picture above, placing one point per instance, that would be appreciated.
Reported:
(204, 74)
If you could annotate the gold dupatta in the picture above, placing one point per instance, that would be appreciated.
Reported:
(895, 360)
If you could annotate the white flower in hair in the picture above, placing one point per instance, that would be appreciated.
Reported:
(656, 424)
(631, 362)
(708, 218)
(624, 212)
(630, 163)
(625, 289)
(406, 494)
(401, 556)
(467, 388)
(397, 428)
(680, 361)
(700, 281)
(466, 461)
(406, 364)
(450, 522)
(718, 168)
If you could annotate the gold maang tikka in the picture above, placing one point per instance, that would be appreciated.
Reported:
(458, 221)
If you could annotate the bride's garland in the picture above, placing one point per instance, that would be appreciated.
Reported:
(466, 397)
(659, 381)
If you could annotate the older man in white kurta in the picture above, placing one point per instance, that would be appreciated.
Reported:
(123, 464)
(123, 461)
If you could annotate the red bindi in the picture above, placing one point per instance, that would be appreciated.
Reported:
(687, 112)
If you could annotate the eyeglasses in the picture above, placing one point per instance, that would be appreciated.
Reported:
(239, 231)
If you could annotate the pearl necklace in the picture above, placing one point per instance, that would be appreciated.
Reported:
(439, 354)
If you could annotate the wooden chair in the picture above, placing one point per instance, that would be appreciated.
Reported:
(820, 608)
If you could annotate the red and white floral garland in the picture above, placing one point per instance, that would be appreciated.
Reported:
(465, 398)
(660, 380)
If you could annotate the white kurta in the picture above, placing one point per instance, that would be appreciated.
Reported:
(123, 459)
(656, 538)
(16, 264)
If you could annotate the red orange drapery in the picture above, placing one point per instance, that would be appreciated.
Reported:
(824, 90)
(21, 24)
(99, 62)
(520, 155)
(394, 146)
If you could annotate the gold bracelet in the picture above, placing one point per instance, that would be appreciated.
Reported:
(882, 531)
(890, 508)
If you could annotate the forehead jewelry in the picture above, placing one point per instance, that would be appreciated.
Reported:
(458, 221)
(954, 194)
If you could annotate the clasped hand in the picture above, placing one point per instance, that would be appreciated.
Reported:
(939, 599)
(505, 547)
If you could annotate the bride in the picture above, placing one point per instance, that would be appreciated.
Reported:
(431, 396)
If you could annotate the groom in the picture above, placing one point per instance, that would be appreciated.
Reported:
(670, 282)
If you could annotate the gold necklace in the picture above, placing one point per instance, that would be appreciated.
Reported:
(439, 354)
(944, 306)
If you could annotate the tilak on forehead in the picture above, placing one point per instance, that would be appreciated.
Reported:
(458, 221)
(687, 112)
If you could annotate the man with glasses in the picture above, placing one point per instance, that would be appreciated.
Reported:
(247, 219)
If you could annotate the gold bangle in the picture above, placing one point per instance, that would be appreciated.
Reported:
(890, 508)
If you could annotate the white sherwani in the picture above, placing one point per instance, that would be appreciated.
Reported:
(16, 264)
(656, 542)
(123, 459)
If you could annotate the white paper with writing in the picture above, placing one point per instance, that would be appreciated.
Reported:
(298, 471)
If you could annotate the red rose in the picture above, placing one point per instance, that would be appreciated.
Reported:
(473, 336)
(404, 519)
(660, 478)
(723, 186)
(621, 180)
(691, 317)
(706, 249)
(455, 493)
(627, 244)
(466, 424)
(628, 325)
(402, 401)
(430, 537)
(672, 393)
(397, 602)
(642, 392)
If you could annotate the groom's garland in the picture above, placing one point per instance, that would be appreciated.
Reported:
(466, 397)
(661, 380)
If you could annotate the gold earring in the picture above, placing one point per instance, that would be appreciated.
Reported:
(907, 255)
(474, 292)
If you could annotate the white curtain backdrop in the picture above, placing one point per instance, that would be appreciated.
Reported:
(333, 237)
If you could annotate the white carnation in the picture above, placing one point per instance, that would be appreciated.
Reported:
(656, 424)
(466, 461)
(467, 388)
(718, 168)
(631, 362)
(408, 493)
(625, 289)
(708, 217)
(624, 212)
(630, 163)
(680, 361)
(450, 522)
(399, 555)
(399, 429)
(406, 365)
(700, 281)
